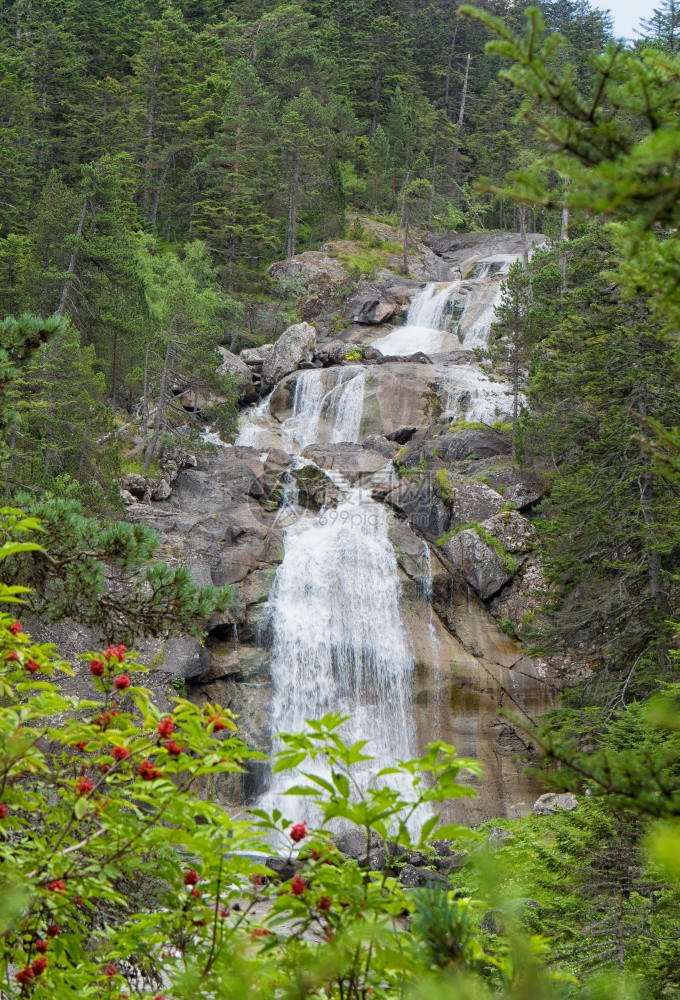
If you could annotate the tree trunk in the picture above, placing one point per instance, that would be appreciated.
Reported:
(523, 235)
(71, 269)
(461, 114)
(162, 399)
(293, 192)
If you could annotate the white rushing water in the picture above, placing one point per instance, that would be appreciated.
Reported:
(445, 316)
(338, 640)
(327, 406)
(428, 324)
(469, 394)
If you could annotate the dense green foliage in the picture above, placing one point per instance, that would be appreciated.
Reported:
(144, 141)
(593, 363)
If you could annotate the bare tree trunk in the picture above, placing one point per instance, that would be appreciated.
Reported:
(461, 114)
(162, 399)
(523, 234)
(71, 269)
(293, 190)
(10, 463)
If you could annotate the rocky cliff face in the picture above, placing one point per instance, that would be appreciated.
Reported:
(373, 527)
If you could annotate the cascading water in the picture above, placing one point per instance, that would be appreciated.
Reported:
(326, 407)
(338, 640)
(427, 326)
(450, 315)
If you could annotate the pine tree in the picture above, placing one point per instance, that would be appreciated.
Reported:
(663, 27)
(189, 312)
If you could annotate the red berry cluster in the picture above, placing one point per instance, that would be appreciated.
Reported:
(115, 652)
(298, 885)
(298, 831)
(148, 771)
(218, 722)
(84, 786)
(166, 726)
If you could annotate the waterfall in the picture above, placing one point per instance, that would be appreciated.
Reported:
(338, 640)
(427, 326)
(327, 406)
(469, 394)
(255, 426)
(450, 315)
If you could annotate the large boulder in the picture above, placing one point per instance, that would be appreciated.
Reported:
(482, 566)
(471, 442)
(513, 531)
(370, 306)
(233, 365)
(295, 347)
(516, 485)
(554, 802)
(315, 489)
(347, 458)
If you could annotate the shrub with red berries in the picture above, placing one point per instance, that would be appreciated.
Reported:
(25, 976)
(101, 845)
(39, 965)
(84, 786)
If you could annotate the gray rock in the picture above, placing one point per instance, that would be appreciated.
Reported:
(513, 531)
(374, 311)
(491, 922)
(254, 357)
(554, 802)
(352, 843)
(295, 346)
(480, 564)
(514, 484)
(315, 489)
(161, 490)
(134, 484)
(499, 836)
(233, 365)
(285, 868)
(468, 442)
(128, 498)
(419, 500)
(454, 861)
(415, 878)
(345, 457)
